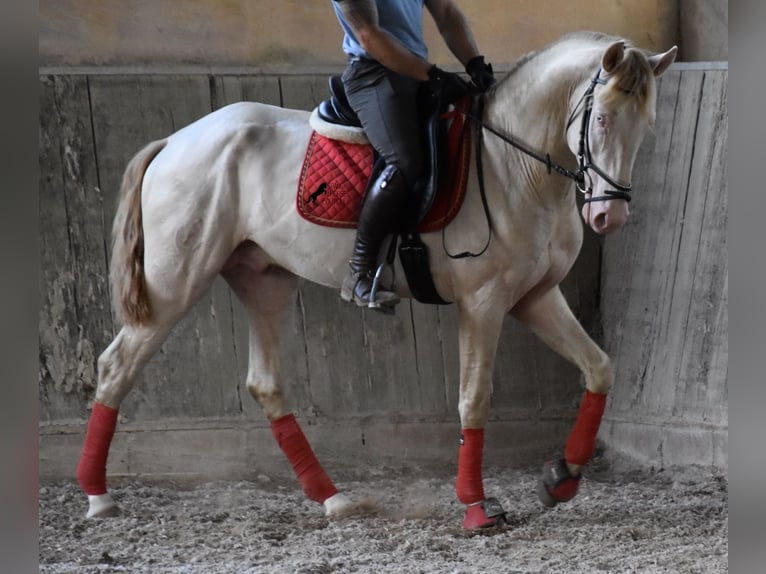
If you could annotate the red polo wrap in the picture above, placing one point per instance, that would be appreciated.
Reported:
(315, 482)
(91, 470)
(470, 487)
(582, 440)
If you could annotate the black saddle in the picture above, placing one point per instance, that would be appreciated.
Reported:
(337, 110)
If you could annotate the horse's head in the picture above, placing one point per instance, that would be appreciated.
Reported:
(608, 126)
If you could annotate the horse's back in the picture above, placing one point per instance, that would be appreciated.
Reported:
(228, 121)
(211, 147)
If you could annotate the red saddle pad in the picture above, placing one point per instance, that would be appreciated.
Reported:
(334, 177)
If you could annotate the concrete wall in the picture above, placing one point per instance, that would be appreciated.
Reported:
(295, 35)
(664, 286)
(704, 30)
(363, 384)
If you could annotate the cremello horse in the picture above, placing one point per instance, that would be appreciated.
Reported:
(217, 197)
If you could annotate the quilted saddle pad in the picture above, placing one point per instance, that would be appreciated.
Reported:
(334, 177)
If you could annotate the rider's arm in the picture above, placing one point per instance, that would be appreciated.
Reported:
(362, 17)
(454, 28)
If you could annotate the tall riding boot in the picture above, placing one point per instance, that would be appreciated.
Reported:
(379, 211)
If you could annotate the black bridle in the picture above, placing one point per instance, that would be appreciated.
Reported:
(583, 152)
(581, 177)
(585, 163)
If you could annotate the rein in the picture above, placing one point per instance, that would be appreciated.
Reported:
(585, 162)
(581, 177)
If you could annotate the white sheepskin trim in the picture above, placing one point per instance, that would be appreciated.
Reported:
(337, 132)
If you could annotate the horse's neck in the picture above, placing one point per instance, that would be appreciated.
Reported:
(534, 102)
(531, 106)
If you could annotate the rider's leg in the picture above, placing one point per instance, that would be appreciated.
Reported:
(381, 206)
(386, 104)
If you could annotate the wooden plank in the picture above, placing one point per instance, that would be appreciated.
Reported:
(394, 384)
(334, 339)
(431, 341)
(702, 359)
(303, 92)
(196, 371)
(665, 278)
(638, 262)
(75, 318)
(230, 89)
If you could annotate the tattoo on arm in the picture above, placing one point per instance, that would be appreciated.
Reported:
(359, 13)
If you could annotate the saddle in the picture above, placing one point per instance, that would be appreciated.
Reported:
(337, 110)
(413, 253)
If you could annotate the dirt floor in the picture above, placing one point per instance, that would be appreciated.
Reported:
(411, 523)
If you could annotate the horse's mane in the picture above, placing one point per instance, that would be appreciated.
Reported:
(632, 78)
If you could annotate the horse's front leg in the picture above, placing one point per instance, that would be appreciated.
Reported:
(551, 319)
(479, 327)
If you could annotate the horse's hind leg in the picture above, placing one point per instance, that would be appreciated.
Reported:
(118, 366)
(266, 292)
(551, 319)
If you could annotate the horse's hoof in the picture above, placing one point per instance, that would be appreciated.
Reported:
(338, 505)
(556, 484)
(101, 506)
(484, 514)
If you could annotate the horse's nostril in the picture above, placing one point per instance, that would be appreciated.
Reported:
(599, 222)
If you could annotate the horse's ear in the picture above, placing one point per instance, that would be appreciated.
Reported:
(613, 57)
(660, 62)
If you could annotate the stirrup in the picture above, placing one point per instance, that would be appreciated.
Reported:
(369, 299)
(373, 304)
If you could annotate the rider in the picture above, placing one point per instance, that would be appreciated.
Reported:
(387, 64)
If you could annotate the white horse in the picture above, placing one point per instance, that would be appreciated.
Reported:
(216, 197)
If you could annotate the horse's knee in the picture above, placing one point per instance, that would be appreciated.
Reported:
(268, 395)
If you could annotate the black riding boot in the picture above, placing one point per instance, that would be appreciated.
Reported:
(376, 221)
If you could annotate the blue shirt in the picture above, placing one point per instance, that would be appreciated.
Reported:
(403, 19)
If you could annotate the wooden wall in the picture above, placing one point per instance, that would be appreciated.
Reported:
(664, 287)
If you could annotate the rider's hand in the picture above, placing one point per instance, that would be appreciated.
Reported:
(448, 87)
(481, 73)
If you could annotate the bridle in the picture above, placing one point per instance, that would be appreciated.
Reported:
(581, 177)
(583, 152)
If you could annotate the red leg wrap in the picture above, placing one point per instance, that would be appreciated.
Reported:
(315, 482)
(582, 439)
(91, 470)
(469, 486)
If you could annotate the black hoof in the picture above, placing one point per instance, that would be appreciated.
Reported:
(556, 484)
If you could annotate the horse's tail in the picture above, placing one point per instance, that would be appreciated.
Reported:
(129, 293)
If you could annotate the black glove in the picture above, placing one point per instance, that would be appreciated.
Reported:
(446, 86)
(481, 73)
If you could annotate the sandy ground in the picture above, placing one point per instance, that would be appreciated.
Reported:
(620, 522)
